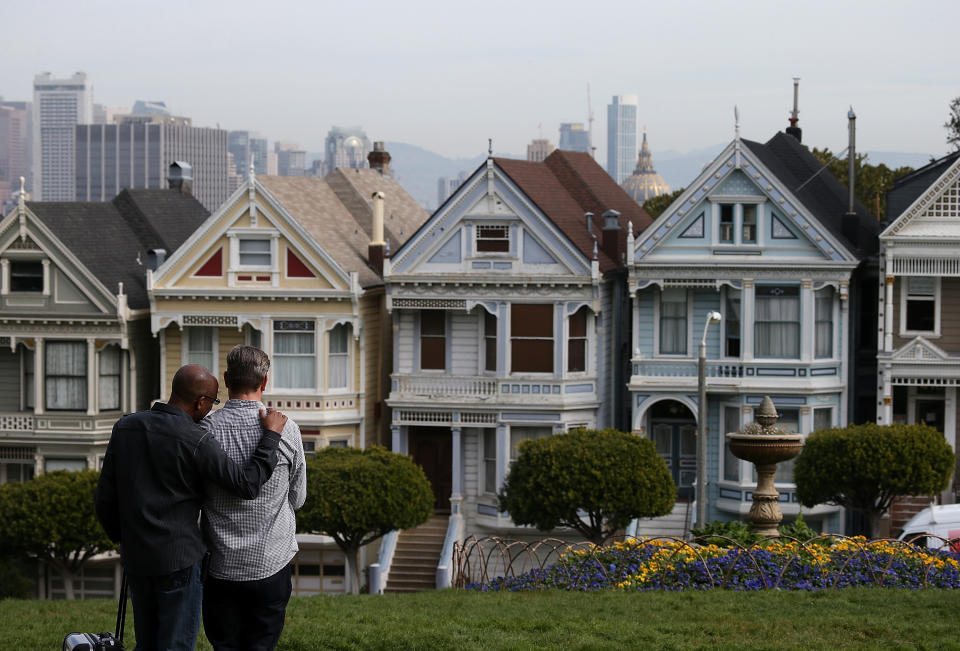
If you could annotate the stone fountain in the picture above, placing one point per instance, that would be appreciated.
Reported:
(764, 445)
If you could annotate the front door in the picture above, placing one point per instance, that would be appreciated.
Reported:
(432, 449)
(930, 412)
(674, 432)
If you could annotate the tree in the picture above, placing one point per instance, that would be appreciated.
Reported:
(865, 467)
(592, 481)
(52, 518)
(356, 496)
(872, 181)
(952, 125)
(657, 205)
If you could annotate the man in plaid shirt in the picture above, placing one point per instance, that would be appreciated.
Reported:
(251, 542)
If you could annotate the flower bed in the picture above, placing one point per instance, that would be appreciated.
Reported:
(666, 564)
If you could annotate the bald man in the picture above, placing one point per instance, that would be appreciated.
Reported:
(149, 495)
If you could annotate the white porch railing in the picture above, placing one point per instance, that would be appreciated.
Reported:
(455, 534)
(756, 369)
(480, 388)
(460, 386)
(380, 571)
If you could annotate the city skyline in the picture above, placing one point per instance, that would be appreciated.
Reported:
(450, 85)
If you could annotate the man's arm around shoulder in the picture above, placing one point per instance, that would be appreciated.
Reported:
(245, 480)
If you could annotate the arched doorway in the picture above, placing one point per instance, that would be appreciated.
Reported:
(673, 430)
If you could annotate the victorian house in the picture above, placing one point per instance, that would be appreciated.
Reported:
(919, 320)
(75, 345)
(768, 239)
(508, 311)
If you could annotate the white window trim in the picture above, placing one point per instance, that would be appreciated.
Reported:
(587, 345)
(318, 378)
(512, 235)
(656, 328)
(904, 290)
(184, 350)
(803, 327)
(738, 201)
(553, 337)
(234, 236)
(834, 317)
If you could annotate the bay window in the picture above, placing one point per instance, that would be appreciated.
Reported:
(294, 355)
(777, 321)
(433, 340)
(109, 381)
(823, 328)
(673, 321)
(339, 362)
(65, 379)
(577, 341)
(520, 434)
(531, 338)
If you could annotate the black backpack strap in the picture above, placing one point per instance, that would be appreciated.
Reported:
(122, 607)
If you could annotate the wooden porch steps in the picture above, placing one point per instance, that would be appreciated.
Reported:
(415, 559)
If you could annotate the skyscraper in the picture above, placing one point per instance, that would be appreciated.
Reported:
(58, 106)
(539, 149)
(244, 143)
(14, 148)
(291, 160)
(621, 136)
(573, 137)
(137, 153)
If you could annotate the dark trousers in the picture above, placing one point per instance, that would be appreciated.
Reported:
(246, 614)
(166, 609)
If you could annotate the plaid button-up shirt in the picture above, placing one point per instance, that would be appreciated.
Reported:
(253, 539)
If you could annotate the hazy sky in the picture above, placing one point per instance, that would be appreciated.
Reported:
(448, 75)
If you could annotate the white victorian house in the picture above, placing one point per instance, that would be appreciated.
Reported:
(765, 238)
(505, 308)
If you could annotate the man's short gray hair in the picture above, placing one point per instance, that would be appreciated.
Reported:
(247, 366)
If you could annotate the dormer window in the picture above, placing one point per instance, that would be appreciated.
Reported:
(737, 223)
(493, 238)
(26, 276)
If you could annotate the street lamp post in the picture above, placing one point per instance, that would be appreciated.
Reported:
(712, 317)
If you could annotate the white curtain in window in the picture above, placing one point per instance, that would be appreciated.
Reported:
(339, 356)
(199, 346)
(824, 326)
(109, 381)
(66, 374)
(778, 326)
(673, 322)
(293, 360)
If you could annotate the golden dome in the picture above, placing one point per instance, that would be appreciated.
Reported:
(645, 183)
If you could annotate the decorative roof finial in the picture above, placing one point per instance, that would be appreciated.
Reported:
(253, 173)
(22, 210)
(489, 146)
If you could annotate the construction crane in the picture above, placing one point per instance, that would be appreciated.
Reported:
(593, 150)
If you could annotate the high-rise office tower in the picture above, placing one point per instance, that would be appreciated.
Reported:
(58, 106)
(621, 136)
(244, 143)
(137, 153)
(346, 148)
(14, 148)
(291, 160)
(573, 137)
(538, 149)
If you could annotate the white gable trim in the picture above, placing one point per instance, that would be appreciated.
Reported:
(920, 349)
(924, 201)
(701, 189)
(103, 299)
(459, 208)
(186, 254)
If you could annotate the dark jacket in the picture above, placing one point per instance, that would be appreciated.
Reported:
(151, 485)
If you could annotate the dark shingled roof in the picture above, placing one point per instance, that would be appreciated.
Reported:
(568, 184)
(109, 237)
(824, 195)
(908, 189)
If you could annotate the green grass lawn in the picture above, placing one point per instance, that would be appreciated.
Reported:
(854, 618)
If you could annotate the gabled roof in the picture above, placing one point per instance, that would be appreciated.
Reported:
(568, 184)
(819, 191)
(111, 239)
(908, 189)
(336, 211)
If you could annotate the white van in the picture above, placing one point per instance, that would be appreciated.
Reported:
(942, 521)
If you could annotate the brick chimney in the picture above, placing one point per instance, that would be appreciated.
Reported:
(611, 234)
(180, 177)
(379, 158)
